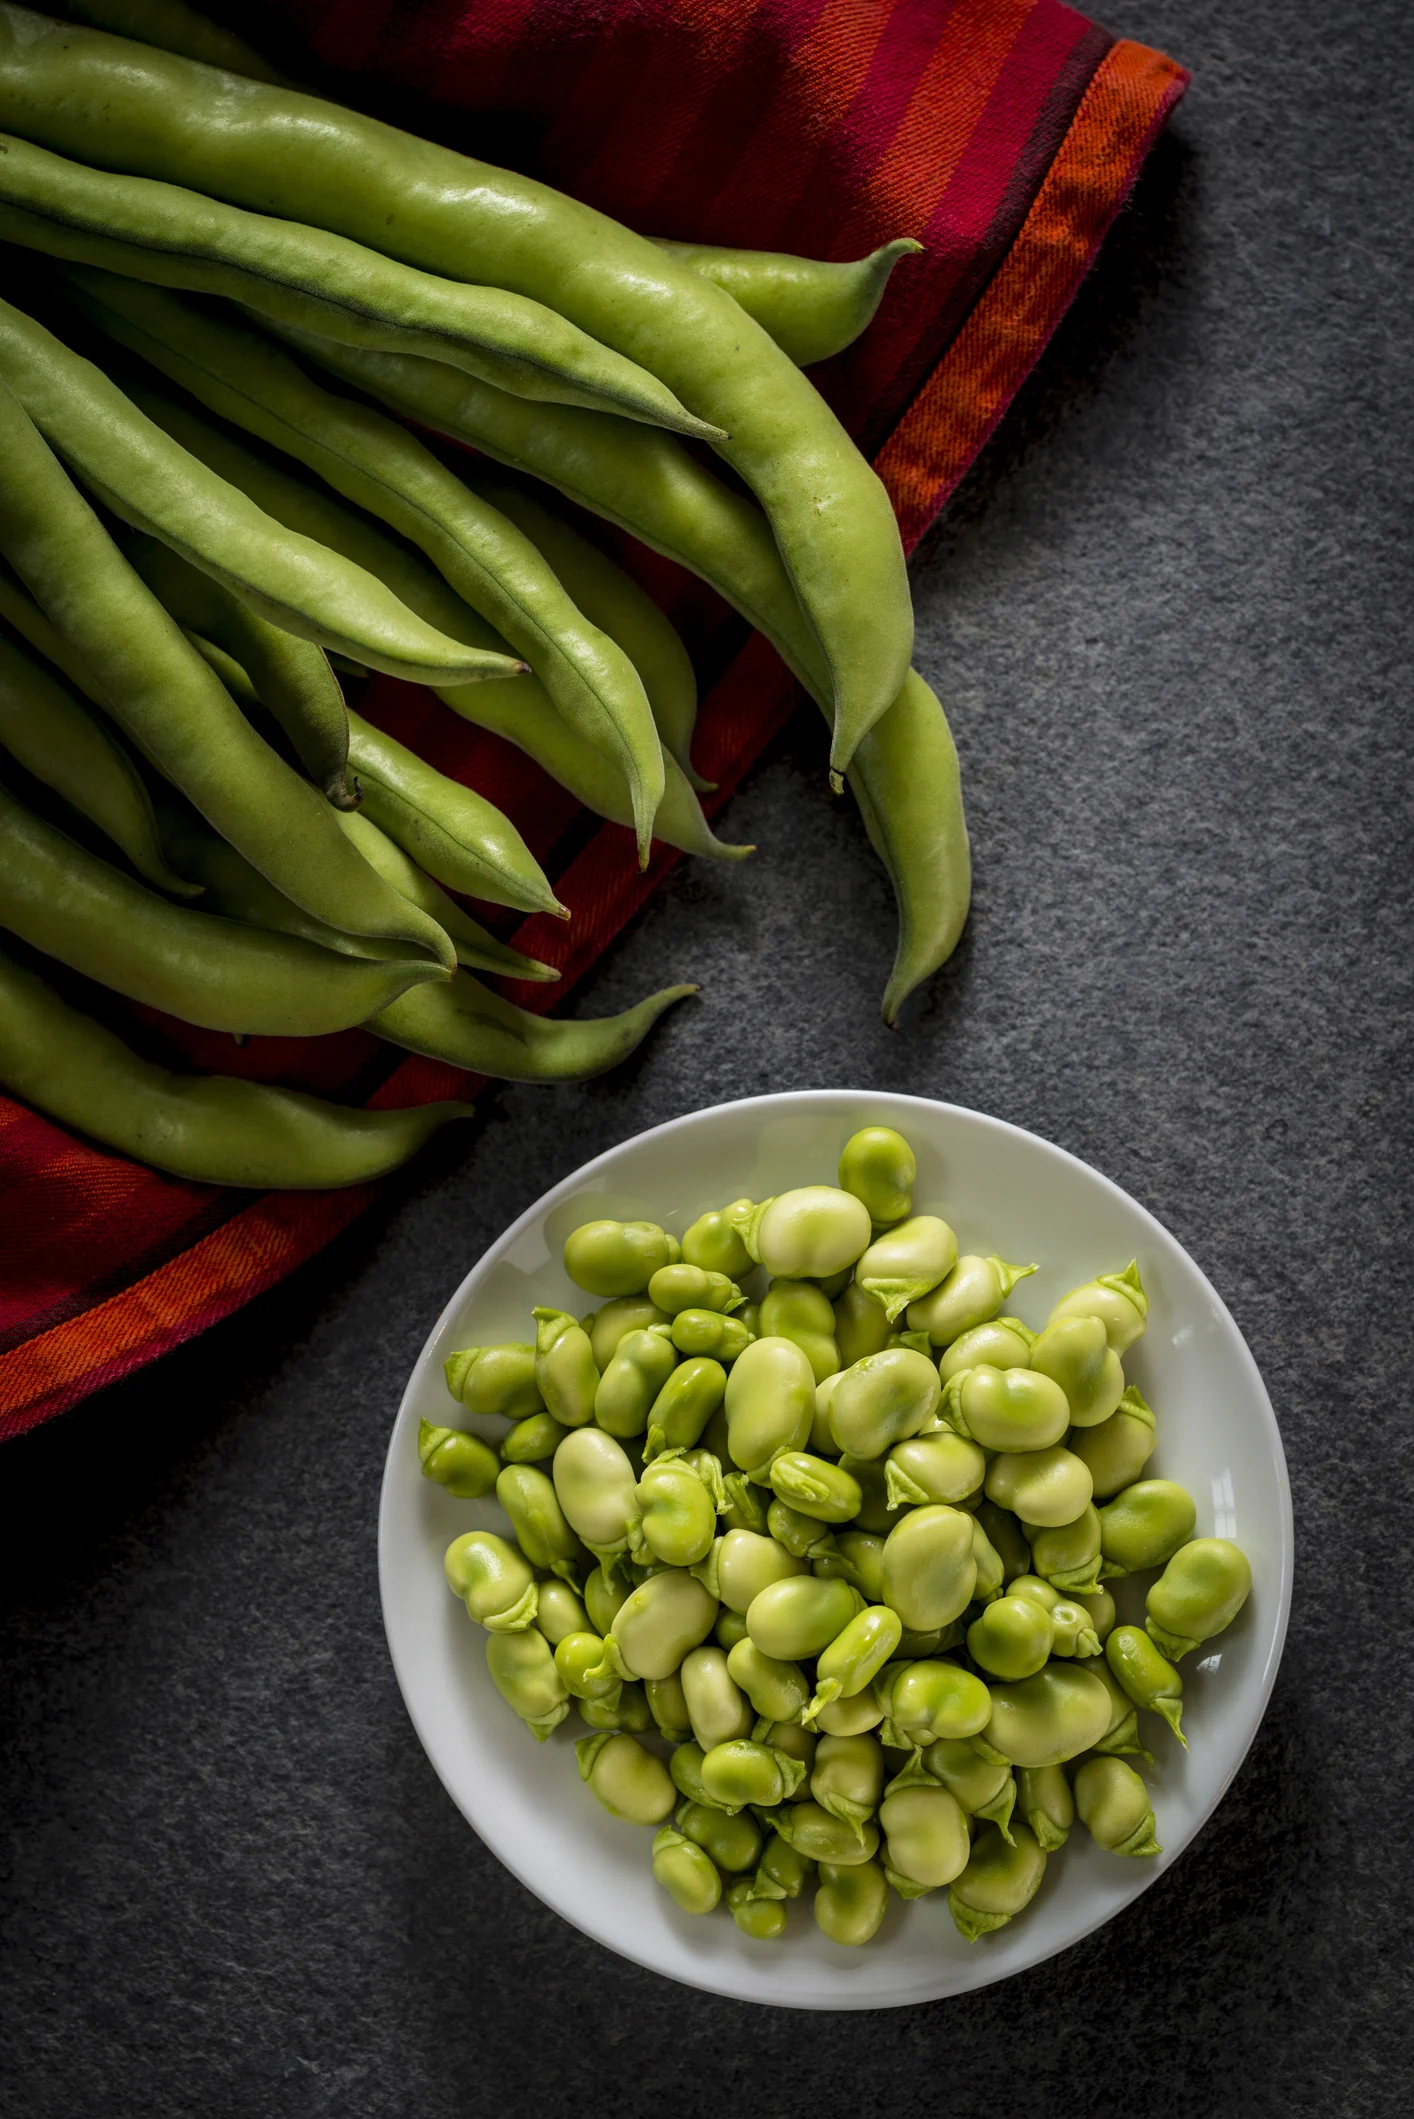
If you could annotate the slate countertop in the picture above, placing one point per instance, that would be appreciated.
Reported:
(1171, 618)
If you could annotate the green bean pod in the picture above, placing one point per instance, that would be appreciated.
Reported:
(167, 119)
(686, 1872)
(811, 309)
(213, 1129)
(1000, 1881)
(475, 947)
(176, 237)
(291, 677)
(58, 739)
(905, 773)
(612, 600)
(524, 1673)
(66, 901)
(522, 712)
(164, 696)
(449, 830)
(153, 484)
(377, 463)
(464, 1464)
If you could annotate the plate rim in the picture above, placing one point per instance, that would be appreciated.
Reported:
(1260, 1693)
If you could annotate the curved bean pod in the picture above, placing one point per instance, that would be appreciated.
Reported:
(174, 237)
(479, 1031)
(452, 832)
(130, 108)
(811, 309)
(213, 1129)
(476, 949)
(374, 461)
(905, 773)
(162, 693)
(137, 471)
(612, 600)
(522, 712)
(198, 966)
(56, 737)
(291, 677)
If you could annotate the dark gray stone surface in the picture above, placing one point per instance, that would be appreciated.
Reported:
(1171, 616)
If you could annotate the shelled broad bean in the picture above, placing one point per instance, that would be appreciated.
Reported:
(860, 1685)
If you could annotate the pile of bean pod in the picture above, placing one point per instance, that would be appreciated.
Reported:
(228, 304)
(840, 1547)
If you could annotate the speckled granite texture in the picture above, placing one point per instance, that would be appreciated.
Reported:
(1172, 618)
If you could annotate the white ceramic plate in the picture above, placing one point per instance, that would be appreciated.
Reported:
(1005, 1191)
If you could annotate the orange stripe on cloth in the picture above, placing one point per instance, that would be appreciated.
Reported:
(1127, 102)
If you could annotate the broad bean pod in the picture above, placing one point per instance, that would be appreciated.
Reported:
(60, 741)
(162, 693)
(150, 481)
(158, 115)
(810, 308)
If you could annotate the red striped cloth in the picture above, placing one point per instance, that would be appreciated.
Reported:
(1004, 133)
